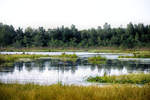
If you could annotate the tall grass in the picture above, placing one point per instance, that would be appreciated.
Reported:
(66, 92)
(130, 78)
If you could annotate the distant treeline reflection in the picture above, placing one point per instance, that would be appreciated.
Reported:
(53, 64)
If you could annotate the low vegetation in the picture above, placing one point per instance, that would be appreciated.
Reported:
(9, 59)
(135, 55)
(66, 92)
(97, 60)
(14, 57)
(140, 78)
(66, 57)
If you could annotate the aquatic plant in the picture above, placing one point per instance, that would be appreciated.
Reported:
(97, 60)
(136, 56)
(7, 59)
(66, 57)
(140, 78)
(63, 55)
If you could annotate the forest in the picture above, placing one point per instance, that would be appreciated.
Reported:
(132, 36)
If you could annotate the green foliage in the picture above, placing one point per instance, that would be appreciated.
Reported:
(130, 37)
(71, 92)
(130, 78)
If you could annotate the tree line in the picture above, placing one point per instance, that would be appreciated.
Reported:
(137, 35)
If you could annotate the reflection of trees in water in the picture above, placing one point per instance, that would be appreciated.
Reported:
(55, 64)
(19, 65)
(93, 67)
(28, 66)
(7, 69)
(129, 65)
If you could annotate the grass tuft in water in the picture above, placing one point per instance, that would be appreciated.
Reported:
(140, 78)
(97, 60)
(66, 57)
(136, 55)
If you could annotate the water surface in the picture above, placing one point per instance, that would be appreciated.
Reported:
(50, 71)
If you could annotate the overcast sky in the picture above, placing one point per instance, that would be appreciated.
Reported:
(82, 13)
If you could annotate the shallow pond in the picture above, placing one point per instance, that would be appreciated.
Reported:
(49, 71)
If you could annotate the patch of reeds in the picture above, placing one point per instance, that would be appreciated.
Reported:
(97, 60)
(7, 59)
(66, 57)
(71, 92)
(139, 78)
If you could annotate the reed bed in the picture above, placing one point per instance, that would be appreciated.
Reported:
(14, 57)
(66, 92)
(139, 78)
(137, 55)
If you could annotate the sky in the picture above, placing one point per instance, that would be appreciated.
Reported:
(82, 13)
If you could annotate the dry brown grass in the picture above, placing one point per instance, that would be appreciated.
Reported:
(65, 92)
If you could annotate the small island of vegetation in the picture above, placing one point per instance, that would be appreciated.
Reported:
(96, 60)
(140, 55)
(122, 79)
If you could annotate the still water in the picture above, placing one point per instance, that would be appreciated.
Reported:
(48, 71)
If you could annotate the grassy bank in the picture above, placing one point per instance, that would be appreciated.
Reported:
(75, 49)
(65, 92)
(130, 78)
(97, 60)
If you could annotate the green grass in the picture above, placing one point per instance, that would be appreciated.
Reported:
(14, 57)
(66, 57)
(136, 56)
(43, 49)
(130, 78)
(66, 92)
(97, 60)
(6, 60)
(75, 49)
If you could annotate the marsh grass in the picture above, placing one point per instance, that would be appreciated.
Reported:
(71, 92)
(63, 55)
(8, 60)
(66, 57)
(77, 49)
(135, 55)
(97, 60)
(138, 55)
(140, 78)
